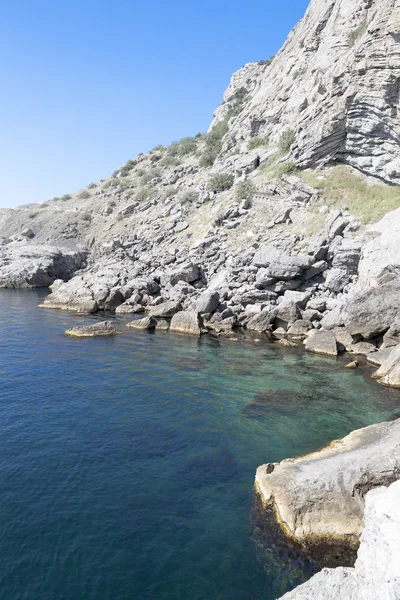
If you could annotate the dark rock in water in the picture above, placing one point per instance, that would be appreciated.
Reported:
(211, 468)
(265, 404)
(105, 328)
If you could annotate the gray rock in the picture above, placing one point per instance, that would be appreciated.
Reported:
(322, 493)
(361, 348)
(321, 342)
(105, 328)
(165, 309)
(207, 302)
(146, 323)
(187, 321)
(389, 370)
(376, 573)
(262, 321)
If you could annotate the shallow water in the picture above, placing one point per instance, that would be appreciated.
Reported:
(127, 464)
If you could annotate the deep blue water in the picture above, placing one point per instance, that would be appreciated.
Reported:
(127, 464)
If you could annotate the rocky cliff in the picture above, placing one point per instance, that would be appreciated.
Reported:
(273, 221)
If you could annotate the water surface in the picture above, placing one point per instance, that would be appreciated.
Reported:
(127, 464)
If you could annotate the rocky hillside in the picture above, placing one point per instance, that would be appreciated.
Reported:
(273, 221)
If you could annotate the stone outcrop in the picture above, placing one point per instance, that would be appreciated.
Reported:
(321, 495)
(102, 329)
(376, 572)
(145, 323)
(320, 341)
(26, 266)
(187, 321)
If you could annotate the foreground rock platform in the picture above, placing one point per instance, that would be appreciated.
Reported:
(320, 496)
(376, 574)
(105, 328)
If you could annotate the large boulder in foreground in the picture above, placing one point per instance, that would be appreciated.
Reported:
(105, 328)
(376, 573)
(321, 495)
(186, 321)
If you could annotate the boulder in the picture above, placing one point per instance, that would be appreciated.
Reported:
(321, 341)
(146, 323)
(165, 309)
(186, 321)
(279, 264)
(376, 571)
(262, 321)
(361, 348)
(129, 309)
(299, 329)
(104, 328)
(207, 302)
(389, 370)
(162, 325)
(322, 494)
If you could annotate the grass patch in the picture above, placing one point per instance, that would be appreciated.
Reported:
(342, 186)
(260, 141)
(273, 169)
(286, 140)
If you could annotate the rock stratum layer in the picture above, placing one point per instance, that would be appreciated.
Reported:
(376, 573)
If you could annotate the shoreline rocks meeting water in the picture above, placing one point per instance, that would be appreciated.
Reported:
(282, 220)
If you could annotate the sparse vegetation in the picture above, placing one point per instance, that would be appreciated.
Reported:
(266, 62)
(143, 194)
(190, 196)
(273, 169)
(286, 140)
(342, 186)
(356, 33)
(213, 143)
(84, 195)
(220, 182)
(245, 190)
(187, 145)
(260, 141)
(127, 168)
(169, 161)
(66, 197)
(91, 186)
(158, 148)
(155, 158)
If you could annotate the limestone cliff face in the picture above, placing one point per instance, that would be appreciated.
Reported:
(335, 83)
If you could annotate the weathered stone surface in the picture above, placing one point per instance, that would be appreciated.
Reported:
(162, 325)
(165, 309)
(145, 323)
(280, 265)
(207, 302)
(376, 572)
(389, 370)
(262, 321)
(322, 493)
(129, 309)
(321, 341)
(361, 348)
(187, 321)
(105, 328)
(36, 266)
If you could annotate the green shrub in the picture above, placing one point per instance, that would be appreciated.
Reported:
(155, 158)
(91, 186)
(207, 159)
(220, 182)
(173, 149)
(187, 145)
(266, 62)
(189, 196)
(149, 175)
(356, 33)
(260, 141)
(286, 140)
(245, 190)
(170, 161)
(83, 195)
(143, 194)
(127, 168)
(66, 197)
(158, 148)
(198, 136)
(284, 169)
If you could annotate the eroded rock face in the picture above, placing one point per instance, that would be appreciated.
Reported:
(28, 266)
(320, 341)
(103, 329)
(376, 572)
(322, 493)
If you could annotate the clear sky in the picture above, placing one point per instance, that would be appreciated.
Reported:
(87, 84)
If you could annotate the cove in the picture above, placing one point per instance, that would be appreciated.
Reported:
(127, 464)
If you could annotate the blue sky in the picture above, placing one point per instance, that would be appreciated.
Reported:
(87, 84)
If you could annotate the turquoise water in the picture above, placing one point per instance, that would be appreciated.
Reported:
(127, 464)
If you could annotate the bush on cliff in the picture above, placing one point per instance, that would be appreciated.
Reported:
(220, 182)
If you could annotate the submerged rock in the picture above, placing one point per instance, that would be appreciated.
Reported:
(321, 495)
(105, 328)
